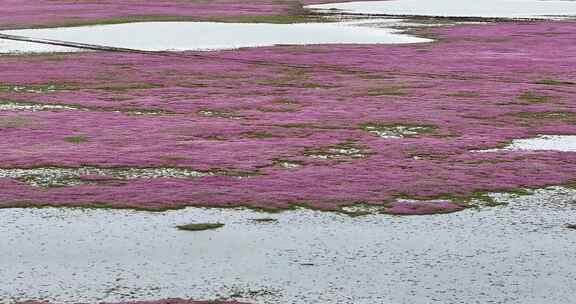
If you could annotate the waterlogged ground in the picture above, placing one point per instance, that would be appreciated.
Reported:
(516, 253)
(274, 127)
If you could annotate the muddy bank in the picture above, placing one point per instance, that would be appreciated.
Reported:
(317, 126)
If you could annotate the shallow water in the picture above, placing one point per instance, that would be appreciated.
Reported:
(562, 143)
(566, 143)
(519, 253)
(202, 36)
(459, 8)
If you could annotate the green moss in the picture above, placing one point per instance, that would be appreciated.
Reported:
(14, 122)
(173, 158)
(200, 227)
(464, 94)
(547, 115)
(313, 85)
(258, 135)
(387, 91)
(533, 97)
(265, 220)
(554, 82)
(123, 87)
(76, 139)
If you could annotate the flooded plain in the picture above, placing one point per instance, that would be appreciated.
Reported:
(521, 252)
(457, 8)
(207, 36)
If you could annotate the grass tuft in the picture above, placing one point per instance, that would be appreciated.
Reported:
(200, 226)
(76, 139)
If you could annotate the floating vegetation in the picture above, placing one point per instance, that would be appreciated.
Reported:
(200, 227)
(265, 220)
(59, 177)
(347, 149)
(396, 130)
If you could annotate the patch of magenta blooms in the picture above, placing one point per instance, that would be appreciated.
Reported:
(471, 86)
(22, 13)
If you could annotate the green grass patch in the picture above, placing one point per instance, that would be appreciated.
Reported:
(547, 115)
(533, 97)
(266, 220)
(554, 82)
(200, 226)
(387, 91)
(14, 122)
(464, 94)
(76, 139)
(123, 87)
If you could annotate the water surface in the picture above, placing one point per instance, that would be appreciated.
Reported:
(459, 8)
(565, 143)
(205, 36)
(515, 254)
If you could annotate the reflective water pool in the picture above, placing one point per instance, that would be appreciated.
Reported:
(202, 36)
(458, 8)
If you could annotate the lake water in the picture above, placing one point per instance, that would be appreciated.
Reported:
(205, 36)
(565, 143)
(520, 253)
(458, 8)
